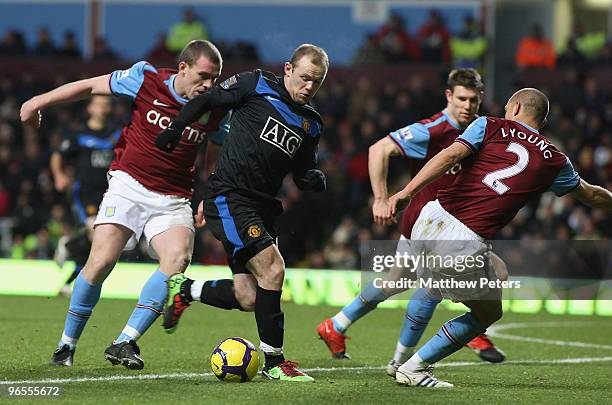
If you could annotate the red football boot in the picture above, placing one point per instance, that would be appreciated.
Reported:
(486, 350)
(335, 341)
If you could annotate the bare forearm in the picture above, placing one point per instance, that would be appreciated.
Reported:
(378, 168)
(592, 195)
(74, 91)
(432, 170)
(601, 198)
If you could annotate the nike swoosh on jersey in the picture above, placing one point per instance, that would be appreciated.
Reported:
(159, 103)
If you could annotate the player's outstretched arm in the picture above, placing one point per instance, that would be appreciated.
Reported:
(594, 196)
(432, 170)
(191, 112)
(378, 168)
(238, 88)
(30, 110)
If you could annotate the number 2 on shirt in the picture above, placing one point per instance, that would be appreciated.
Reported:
(494, 179)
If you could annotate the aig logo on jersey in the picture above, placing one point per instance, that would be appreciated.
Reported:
(277, 134)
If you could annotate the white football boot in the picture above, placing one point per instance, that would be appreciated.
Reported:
(420, 378)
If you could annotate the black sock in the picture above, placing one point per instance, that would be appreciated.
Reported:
(270, 323)
(273, 360)
(220, 294)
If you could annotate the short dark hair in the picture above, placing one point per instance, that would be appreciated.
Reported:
(318, 56)
(534, 103)
(466, 77)
(198, 48)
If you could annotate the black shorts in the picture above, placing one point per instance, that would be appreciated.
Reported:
(243, 229)
(85, 201)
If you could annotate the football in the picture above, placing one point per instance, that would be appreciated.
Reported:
(235, 360)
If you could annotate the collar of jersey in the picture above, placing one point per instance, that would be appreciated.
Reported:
(170, 84)
(528, 127)
(281, 103)
(451, 120)
(264, 88)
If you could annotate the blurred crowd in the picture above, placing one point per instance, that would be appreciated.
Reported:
(433, 42)
(581, 49)
(14, 44)
(168, 44)
(317, 230)
(392, 42)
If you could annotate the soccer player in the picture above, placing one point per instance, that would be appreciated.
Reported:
(274, 131)
(505, 161)
(418, 143)
(148, 191)
(90, 151)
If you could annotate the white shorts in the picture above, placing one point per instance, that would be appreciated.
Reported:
(449, 250)
(129, 203)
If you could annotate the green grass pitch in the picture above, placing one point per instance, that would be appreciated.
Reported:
(177, 367)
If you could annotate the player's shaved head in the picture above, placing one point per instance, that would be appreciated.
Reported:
(199, 66)
(533, 103)
(197, 48)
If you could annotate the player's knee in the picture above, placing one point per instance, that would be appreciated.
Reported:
(176, 261)
(97, 269)
(183, 261)
(499, 266)
(388, 291)
(276, 274)
(269, 269)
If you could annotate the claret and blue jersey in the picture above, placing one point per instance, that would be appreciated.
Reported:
(419, 142)
(422, 139)
(155, 104)
(512, 161)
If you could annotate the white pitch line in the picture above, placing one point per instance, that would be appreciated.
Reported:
(493, 331)
(578, 360)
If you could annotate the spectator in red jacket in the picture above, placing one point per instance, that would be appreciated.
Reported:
(433, 38)
(395, 41)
